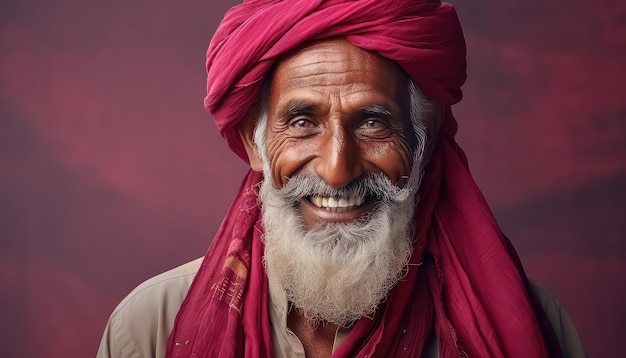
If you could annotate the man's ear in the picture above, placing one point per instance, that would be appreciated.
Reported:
(246, 133)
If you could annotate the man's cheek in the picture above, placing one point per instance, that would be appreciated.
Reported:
(285, 163)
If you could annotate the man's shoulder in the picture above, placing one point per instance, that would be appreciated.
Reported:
(141, 323)
(168, 284)
(564, 328)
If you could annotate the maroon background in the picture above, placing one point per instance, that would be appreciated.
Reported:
(111, 171)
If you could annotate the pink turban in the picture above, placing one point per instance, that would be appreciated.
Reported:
(470, 291)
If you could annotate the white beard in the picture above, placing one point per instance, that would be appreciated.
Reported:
(337, 272)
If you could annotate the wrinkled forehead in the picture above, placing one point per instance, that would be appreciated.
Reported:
(333, 56)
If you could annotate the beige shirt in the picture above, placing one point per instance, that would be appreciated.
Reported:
(140, 325)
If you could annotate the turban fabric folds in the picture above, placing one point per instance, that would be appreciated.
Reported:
(470, 291)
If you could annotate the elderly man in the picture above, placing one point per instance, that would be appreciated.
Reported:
(359, 230)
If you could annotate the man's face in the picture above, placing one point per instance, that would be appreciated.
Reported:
(337, 112)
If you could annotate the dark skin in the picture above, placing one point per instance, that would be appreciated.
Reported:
(337, 112)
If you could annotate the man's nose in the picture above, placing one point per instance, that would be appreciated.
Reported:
(339, 161)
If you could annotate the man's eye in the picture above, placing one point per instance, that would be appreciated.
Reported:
(372, 124)
(301, 122)
(302, 126)
(374, 128)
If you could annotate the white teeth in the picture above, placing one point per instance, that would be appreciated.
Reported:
(337, 204)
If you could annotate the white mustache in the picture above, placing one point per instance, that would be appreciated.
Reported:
(377, 186)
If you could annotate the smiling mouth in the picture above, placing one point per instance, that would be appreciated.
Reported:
(335, 204)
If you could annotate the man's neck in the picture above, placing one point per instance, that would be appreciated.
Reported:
(317, 340)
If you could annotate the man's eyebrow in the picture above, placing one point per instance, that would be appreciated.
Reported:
(377, 110)
(295, 107)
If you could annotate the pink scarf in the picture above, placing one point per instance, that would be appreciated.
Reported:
(470, 291)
